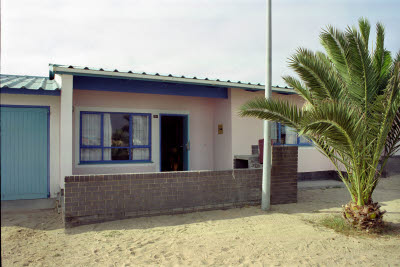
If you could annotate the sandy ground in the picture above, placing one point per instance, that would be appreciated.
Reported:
(247, 236)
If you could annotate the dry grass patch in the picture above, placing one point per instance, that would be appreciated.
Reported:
(340, 225)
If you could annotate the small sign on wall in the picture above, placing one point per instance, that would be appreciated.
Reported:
(220, 129)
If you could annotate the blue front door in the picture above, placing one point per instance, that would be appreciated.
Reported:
(24, 152)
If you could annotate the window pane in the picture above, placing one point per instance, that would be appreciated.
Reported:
(140, 130)
(90, 154)
(116, 130)
(91, 134)
(282, 134)
(116, 154)
(140, 154)
(291, 136)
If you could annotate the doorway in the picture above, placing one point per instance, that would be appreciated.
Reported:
(174, 142)
(24, 146)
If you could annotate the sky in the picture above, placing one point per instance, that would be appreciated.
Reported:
(222, 39)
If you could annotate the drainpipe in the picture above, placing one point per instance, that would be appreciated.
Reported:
(266, 177)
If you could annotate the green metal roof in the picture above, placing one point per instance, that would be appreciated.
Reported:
(27, 82)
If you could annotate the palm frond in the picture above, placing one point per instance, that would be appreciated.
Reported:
(362, 86)
(317, 74)
(352, 108)
(274, 110)
(392, 144)
(300, 88)
(382, 59)
(336, 46)
(338, 123)
(365, 28)
(396, 60)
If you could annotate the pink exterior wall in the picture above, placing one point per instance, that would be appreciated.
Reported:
(209, 150)
(311, 160)
(201, 125)
(223, 157)
(247, 131)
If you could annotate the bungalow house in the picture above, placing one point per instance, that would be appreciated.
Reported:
(83, 120)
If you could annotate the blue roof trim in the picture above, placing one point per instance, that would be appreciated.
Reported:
(109, 73)
(30, 91)
(148, 79)
(235, 85)
(147, 87)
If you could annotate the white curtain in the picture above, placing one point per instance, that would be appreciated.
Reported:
(291, 136)
(107, 137)
(90, 154)
(91, 136)
(140, 136)
(140, 153)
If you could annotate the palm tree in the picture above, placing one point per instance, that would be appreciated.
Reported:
(351, 110)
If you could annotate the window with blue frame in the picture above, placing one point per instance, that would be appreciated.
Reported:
(110, 137)
(283, 135)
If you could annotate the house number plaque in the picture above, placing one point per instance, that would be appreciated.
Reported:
(220, 129)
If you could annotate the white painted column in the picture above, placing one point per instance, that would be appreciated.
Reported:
(66, 82)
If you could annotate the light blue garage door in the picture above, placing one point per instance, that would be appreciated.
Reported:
(24, 152)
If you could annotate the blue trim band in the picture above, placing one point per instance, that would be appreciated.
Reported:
(48, 152)
(23, 106)
(102, 135)
(147, 87)
(29, 91)
(114, 162)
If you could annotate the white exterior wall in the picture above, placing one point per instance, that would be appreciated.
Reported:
(66, 82)
(201, 124)
(54, 103)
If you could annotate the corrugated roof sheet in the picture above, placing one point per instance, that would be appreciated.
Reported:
(54, 68)
(27, 82)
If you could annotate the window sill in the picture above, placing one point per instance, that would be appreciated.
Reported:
(114, 162)
(299, 145)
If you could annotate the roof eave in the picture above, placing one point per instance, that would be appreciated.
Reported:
(55, 69)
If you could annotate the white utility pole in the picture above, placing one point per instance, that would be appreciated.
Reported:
(267, 157)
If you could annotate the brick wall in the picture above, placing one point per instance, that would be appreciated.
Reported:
(284, 174)
(98, 198)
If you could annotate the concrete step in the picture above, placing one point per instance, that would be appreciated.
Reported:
(27, 205)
